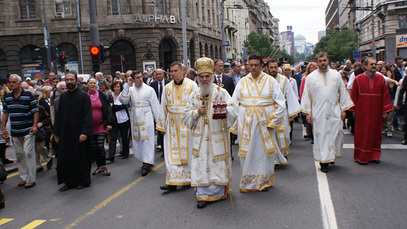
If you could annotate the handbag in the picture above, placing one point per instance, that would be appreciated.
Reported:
(3, 172)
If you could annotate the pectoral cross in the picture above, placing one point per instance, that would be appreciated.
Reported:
(204, 99)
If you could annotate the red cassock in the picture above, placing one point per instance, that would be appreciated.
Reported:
(371, 98)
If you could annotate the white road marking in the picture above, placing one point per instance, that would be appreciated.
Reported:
(383, 146)
(327, 207)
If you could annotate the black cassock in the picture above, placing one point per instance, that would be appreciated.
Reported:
(74, 117)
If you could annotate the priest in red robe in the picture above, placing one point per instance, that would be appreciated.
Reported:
(372, 102)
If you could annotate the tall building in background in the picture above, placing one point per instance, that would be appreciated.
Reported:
(332, 15)
(289, 36)
(321, 34)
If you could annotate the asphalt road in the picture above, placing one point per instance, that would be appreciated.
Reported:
(370, 196)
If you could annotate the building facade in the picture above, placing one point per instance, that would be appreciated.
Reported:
(332, 15)
(390, 27)
(288, 38)
(143, 32)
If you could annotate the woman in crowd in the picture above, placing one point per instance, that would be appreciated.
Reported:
(121, 122)
(43, 135)
(38, 87)
(312, 66)
(287, 73)
(102, 123)
(45, 98)
(388, 121)
(105, 88)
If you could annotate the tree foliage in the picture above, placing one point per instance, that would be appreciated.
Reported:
(339, 44)
(260, 44)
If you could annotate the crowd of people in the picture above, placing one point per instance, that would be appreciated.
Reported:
(197, 115)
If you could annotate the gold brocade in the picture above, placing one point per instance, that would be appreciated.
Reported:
(176, 100)
(176, 174)
(258, 180)
(211, 198)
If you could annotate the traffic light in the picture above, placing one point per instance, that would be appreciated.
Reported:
(104, 52)
(42, 55)
(62, 59)
(95, 53)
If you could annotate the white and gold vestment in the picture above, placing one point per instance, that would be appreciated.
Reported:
(145, 108)
(261, 113)
(177, 136)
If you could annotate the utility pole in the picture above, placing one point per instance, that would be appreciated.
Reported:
(79, 34)
(222, 25)
(368, 8)
(94, 32)
(373, 33)
(184, 34)
(47, 39)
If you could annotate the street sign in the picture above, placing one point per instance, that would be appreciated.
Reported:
(357, 54)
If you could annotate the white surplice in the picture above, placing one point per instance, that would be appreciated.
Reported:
(261, 105)
(177, 149)
(324, 97)
(292, 108)
(210, 144)
(145, 108)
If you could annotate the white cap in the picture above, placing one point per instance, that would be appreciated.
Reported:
(28, 78)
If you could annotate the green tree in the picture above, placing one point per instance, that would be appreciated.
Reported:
(339, 44)
(260, 44)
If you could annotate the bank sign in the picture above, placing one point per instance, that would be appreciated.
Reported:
(401, 41)
(158, 19)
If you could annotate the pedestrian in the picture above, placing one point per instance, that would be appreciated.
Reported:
(21, 106)
(401, 106)
(324, 102)
(121, 122)
(145, 109)
(102, 124)
(312, 66)
(3, 142)
(388, 121)
(261, 113)
(372, 103)
(177, 148)
(209, 114)
(38, 87)
(43, 133)
(72, 130)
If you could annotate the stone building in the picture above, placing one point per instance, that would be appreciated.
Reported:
(390, 26)
(144, 32)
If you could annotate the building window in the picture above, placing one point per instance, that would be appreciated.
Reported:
(63, 8)
(27, 9)
(160, 7)
(119, 7)
(403, 21)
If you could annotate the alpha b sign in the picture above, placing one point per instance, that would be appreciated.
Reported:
(401, 41)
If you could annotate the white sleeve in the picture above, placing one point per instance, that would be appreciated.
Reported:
(350, 81)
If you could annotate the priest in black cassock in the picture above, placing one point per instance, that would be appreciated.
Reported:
(72, 129)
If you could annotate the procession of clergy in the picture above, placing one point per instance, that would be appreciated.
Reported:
(197, 121)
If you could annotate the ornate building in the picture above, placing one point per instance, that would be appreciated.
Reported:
(141, 31)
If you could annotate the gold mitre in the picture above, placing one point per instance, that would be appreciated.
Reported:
(204, 64)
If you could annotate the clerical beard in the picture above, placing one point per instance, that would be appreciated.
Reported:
(206, 88)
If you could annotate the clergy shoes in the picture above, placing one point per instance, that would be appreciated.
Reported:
(202, 204)
(145, 171)
(168, 187)
(376, 161)
(64, 188)
(324, 167)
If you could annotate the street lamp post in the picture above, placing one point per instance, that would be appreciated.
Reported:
(222, 25)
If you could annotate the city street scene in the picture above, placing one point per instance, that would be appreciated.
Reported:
(203, 114)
